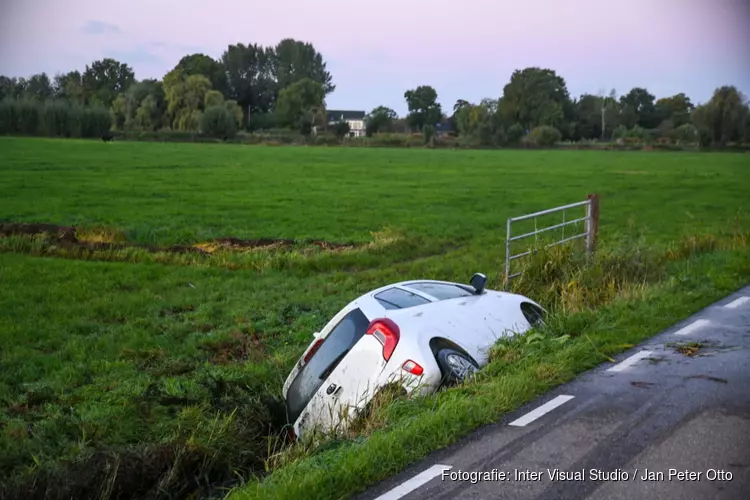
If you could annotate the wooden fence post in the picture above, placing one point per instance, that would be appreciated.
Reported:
(593, 223)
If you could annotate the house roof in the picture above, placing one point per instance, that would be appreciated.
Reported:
(339, 115)
(446, 126)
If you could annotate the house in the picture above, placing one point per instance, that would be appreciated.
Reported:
(444, 127)
(356, 120)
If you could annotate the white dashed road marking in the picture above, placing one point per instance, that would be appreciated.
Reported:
(737, 303)
(412, 484)
(542, 410)
(695, 325)
(628, 362)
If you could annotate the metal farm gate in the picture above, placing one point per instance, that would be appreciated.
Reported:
(591, 220)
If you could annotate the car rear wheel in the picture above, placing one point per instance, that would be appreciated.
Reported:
(455, 366)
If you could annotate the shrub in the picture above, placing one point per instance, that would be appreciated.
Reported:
(57, 119)
(705, 137)
(686, 133)
(341, 129)
(95, 121)
(543, 136)
(620, 132)
(29, 117)
(217, 121)
(263, 121)
(637, 133)
(514, 134)
(428, 132)
(8, 117)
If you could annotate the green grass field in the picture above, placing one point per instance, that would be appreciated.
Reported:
(161, 363)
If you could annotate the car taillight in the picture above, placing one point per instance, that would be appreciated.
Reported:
(313, 350)
(413, 368)
(387, 333)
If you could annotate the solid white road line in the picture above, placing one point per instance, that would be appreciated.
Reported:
(542, 410)
(698, 323)
(412, 484)
(737, 302)
(628, 362)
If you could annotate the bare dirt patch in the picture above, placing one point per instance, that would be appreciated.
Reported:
(238, 348)
(269, 244)
(69, 237)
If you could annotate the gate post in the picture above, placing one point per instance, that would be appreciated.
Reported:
(592, 222)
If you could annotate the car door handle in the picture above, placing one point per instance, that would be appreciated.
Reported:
(333, 390)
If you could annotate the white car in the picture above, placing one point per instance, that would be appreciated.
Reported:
(420, 334)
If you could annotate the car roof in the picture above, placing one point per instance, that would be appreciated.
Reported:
(405, 284)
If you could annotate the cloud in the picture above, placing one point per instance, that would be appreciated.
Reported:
(100, 28)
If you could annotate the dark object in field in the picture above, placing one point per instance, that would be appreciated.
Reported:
(107, 137)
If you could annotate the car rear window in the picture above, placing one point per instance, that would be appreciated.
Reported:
(441, 291)
(395, 298)
(330, 353)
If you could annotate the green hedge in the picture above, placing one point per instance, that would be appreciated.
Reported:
(52, 119)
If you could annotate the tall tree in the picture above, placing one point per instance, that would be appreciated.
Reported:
(724, 116)
(608, 111)
(460, 104)
(250, 79)
(201, 64)
(294, 60)
(478, 124)
(39, 87)
(588, 123)
(69, 86)
(423, 107)
(105, 79)
(12, 88)
(638, 108)
(535, 96)
(676, 108)
(380, 119)
(300, 103)
(185, 97)
(150, 95)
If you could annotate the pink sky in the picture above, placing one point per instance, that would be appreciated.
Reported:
(377, 50)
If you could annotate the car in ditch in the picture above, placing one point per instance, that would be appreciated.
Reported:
(420, 335)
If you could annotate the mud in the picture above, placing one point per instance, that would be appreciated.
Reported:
(66, 236)
(280, 243)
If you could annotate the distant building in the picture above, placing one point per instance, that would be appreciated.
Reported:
(444, 127)
(355, 119)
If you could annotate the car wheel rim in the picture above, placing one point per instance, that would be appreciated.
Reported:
(460, 366)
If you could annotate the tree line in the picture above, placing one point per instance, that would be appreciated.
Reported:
(251, 87)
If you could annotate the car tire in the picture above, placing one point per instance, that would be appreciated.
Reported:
(455, 366)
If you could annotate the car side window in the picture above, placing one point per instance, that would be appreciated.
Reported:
(330, 353)
(441, 291)
(396, 298)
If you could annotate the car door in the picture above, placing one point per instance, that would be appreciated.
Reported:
(337, 378)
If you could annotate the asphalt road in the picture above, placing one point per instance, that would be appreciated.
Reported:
(659, 424)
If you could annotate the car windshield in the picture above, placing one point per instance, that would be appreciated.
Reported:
(441, 291)
(396, 298)
(330, 353)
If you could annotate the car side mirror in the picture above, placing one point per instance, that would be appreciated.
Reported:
(316, 335)
(478, 281)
